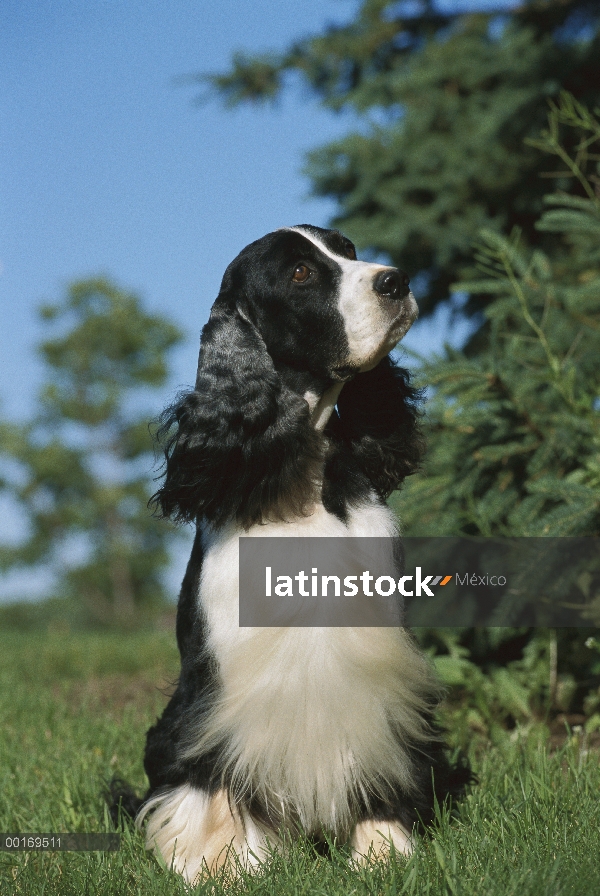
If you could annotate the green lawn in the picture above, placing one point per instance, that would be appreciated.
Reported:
(74, 709)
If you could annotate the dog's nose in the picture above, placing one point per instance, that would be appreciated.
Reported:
(391, 283)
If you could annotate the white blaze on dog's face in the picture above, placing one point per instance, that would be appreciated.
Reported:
(374, 300)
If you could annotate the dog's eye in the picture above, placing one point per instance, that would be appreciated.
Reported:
(301, 273)
(351, 251)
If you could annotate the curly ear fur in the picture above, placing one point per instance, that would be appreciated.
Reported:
(240, 445)
(378, 420)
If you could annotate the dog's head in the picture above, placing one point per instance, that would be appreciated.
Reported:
(315, 305)
(298, 318)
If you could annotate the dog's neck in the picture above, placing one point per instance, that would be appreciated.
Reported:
(321, 406)
(319, 392)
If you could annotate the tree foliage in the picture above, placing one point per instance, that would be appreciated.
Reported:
(443, 103)
(514, 432)
(514, 442)
(80, 468)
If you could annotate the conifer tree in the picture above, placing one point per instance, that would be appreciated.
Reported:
(513, 436)
(514, 432)
(444, 102)
(83, 466)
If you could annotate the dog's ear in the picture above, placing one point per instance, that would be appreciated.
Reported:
(240, 445)
(378, 420)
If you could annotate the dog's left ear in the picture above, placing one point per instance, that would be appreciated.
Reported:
(378, 420)
(240, 445)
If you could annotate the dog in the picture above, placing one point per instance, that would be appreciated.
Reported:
(300, 424)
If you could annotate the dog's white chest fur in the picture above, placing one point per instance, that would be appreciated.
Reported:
(313, 719)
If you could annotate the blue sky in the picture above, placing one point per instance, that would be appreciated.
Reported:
(107, 166)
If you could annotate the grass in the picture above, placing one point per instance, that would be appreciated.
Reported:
(74, 710)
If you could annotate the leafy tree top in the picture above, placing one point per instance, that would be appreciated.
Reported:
(110, 344)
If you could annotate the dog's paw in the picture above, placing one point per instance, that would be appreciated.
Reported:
(372, 840)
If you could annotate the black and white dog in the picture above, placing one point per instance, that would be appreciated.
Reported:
(299, 425)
